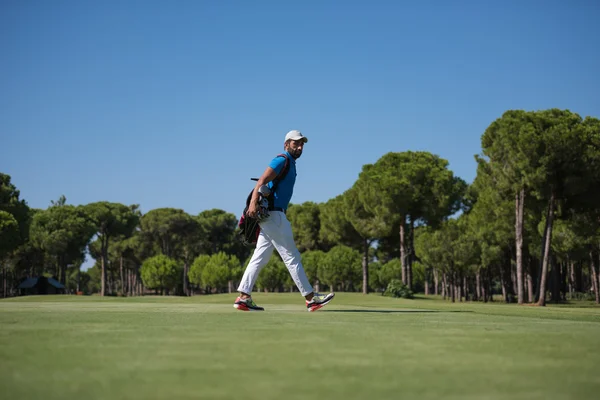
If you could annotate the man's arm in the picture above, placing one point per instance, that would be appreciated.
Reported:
(265, 178)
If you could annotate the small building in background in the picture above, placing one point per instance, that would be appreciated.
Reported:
(41, 285)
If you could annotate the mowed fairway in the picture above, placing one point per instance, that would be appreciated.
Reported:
(359, 347)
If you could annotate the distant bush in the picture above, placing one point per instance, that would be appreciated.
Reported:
(397, 289)
(581, 296)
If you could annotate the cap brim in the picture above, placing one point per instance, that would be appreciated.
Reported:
(304, 138)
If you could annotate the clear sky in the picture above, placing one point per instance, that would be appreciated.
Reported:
(179, 103)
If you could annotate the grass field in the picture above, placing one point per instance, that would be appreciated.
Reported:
(358, 347)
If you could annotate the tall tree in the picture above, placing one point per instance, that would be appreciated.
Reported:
(218, 226)
(159, 272)
(311, 260)
(563, 139)
(177, 235)
(217, 273)
(14, 229)
(111, 220)
(11, 203)
(407, 189)
(163, 227)
(9, 233)
(491, 223)
(306, 224)
(63, 232)
(340, 268)
(534, 151)
(510, 143)
(368, 225)
(336, 228)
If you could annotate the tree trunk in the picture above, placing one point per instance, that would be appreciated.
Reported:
(104, 262)
(122, 276)
(436, 282)
(4, 281)
(546, 251)
(79, 279)
(598, 276)
(531, 274)
(453, 287)
(427, 274)
(365, 268)
(555, 280)
(578, 267)
(594, 277)
(62, 271)
(520, 201)
(465, 289)
(402, 250)
(530, 292)
(411, 254)
(484, 292)
(444, 286)
(478, 284)
(103, 277)
(571, 278)
(184, 278)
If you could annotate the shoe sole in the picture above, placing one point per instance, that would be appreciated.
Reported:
(242, 307)
(313, 309)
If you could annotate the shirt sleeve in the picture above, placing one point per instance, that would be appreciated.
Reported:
(277, 164)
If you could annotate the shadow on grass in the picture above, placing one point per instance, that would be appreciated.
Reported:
(395, 311)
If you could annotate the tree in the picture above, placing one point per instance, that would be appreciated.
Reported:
(63, 232)
(368, 225)
(311, 260)
(198, 266)
(390, 270)
(407, 189)
(14, 225)
(272, 276)
(12, 204)
(176, 233)
(160, 272)
(336, 228)
(563, 139)
(218, 226)
(111, 220)
(218, 271)
(340, 268)
(306, 225)
(9, 233)
(491, 225)
(534, 152)
(161, 226)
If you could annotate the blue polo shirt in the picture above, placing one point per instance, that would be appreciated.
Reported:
(285, 188)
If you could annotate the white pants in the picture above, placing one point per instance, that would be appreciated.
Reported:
(275, 233)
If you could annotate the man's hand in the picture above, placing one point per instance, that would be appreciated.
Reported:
(253, 208)
(265, 178)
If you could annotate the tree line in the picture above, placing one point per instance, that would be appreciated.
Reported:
(527, 228)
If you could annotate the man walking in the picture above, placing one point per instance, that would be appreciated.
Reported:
(276, 230)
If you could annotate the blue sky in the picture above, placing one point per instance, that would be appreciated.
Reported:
(178, 103)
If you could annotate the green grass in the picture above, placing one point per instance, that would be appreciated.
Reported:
(359, 347)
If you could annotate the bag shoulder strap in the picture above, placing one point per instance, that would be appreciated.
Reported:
(281, 176)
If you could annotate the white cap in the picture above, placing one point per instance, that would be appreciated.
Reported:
(295, 135)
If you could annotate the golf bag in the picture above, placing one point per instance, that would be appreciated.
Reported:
(248, 227)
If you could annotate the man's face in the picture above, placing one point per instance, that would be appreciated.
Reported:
(295, 147)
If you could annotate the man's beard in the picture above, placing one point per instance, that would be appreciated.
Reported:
(295, 153)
